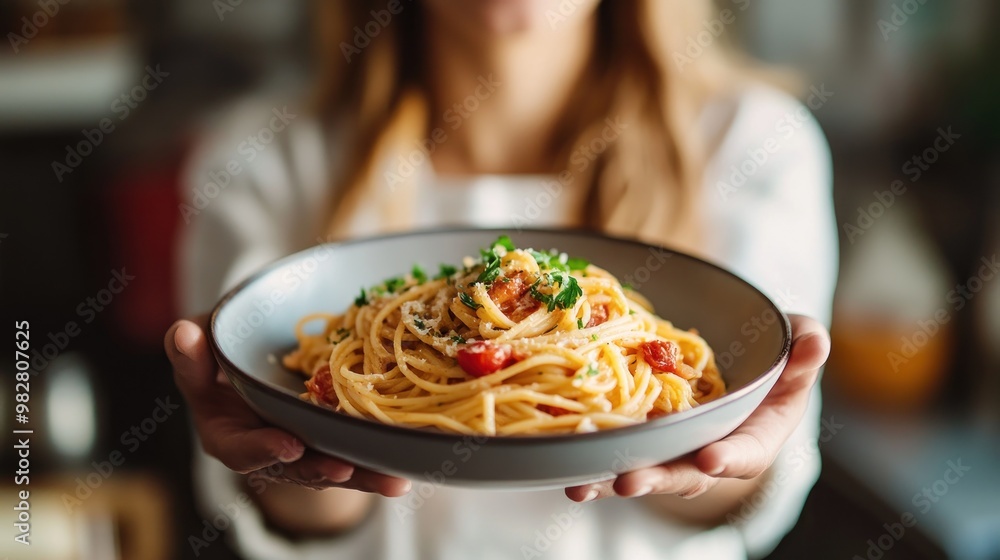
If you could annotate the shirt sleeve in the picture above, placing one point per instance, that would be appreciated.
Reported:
(771, 220)
(253, 192)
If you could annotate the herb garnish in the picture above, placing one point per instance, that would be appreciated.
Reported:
(468, 301)
(550, 260)
(393, 284)
(445, 271)
(569, 291)
(362, 299)
(491, 258)
(418, 274)
(344, 333)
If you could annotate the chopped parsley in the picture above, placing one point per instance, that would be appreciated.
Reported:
(362, 299)
(492, 270)
(505, 242)
(547, 261)
(593, 337)
(491, 258)
(458, 339)
(569, 291)
(344, 333)
(394, 284)
(445, 271)
(468, 301)
(550, 260)
(631, 311)
(418, 274)
(592, 370)
(419, 323)
(579, 323)
(627, 286)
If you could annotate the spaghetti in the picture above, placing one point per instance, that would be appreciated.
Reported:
(515, 342)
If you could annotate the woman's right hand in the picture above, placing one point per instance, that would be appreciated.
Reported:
(232, 433)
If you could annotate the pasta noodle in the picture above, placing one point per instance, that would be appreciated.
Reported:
(517, 342)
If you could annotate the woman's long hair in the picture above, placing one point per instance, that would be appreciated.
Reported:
(645, 183)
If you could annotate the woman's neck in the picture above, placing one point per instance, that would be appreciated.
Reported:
(498, 100)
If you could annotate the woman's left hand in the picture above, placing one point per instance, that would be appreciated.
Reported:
(750, 449)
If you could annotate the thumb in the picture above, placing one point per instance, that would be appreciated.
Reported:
(187, 346)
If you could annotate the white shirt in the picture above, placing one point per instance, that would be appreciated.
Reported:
(767, 200)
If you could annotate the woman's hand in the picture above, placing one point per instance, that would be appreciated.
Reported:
(232, 433)
(750, 449)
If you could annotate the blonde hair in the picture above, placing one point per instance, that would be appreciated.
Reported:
(645, 184)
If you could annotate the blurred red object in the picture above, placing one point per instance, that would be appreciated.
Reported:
(143, 222)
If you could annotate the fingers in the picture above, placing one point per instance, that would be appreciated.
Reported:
(244, 449)
(194, 366)
(590, 492)
(319, 472)
(229, 430)
(810, 349)
(312, 470)
(680, 478)
(747, 452)
(370, 481)
(752, 447)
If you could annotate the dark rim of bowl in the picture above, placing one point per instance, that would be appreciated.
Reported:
(232, 369)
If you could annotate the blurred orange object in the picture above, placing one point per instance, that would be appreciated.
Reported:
(888, 364)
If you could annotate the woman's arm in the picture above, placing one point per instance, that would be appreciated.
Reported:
(774, 227)
(243, 210)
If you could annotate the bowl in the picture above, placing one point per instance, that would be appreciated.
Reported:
(253, 326)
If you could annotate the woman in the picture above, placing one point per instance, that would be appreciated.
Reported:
(517, 113)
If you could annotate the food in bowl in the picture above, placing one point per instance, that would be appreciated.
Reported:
(516, 342)
(254, 326)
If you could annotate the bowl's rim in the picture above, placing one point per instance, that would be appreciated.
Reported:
(545, 439)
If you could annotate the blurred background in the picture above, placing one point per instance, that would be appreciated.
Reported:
(100, 101)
